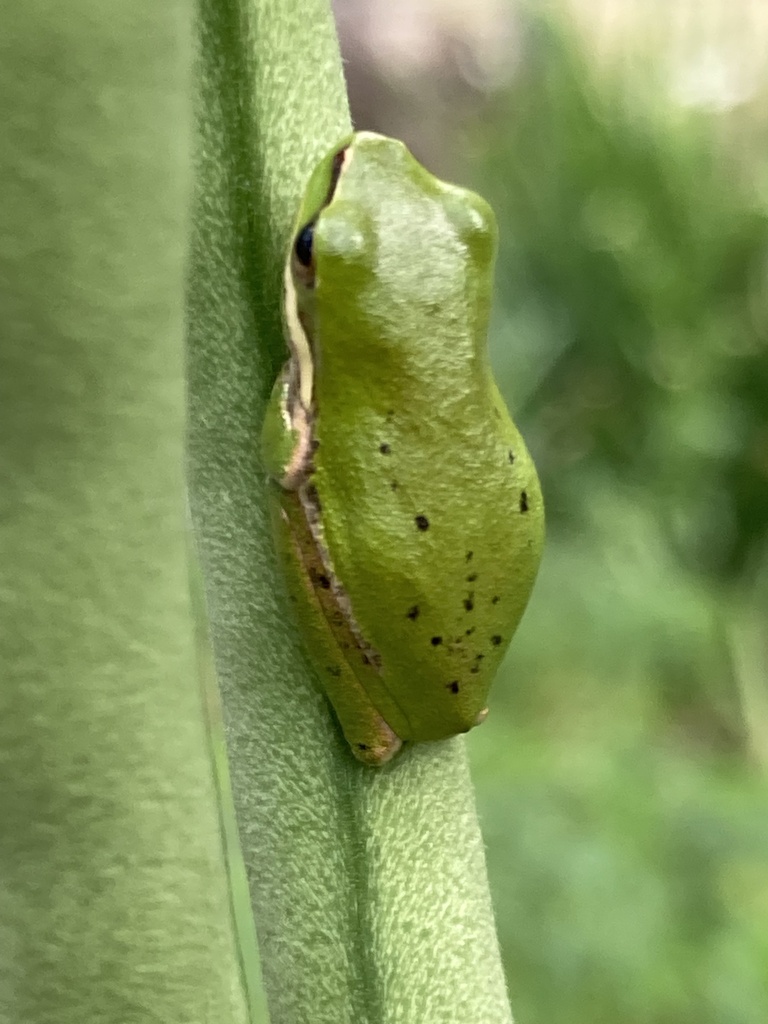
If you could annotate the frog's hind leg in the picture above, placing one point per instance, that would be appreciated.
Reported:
(370, 738)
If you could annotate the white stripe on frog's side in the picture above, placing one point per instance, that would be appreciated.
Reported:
(297, 391)
(301, 350)
(298, 395)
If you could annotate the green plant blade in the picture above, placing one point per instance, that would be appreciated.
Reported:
(113, 895)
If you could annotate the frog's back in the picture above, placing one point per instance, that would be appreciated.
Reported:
(431, 505)
(438, 553)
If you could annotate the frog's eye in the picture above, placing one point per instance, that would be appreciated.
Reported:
(302, 247)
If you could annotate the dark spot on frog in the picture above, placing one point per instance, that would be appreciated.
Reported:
(390, 414)
(523, 501)
(362, 746)
(333, 670)
(511, 456)
(468, 556)
(384, 448)
(319, 579)
(475, 669)
(315, 444)
(394, 485)
(495, 599)
(479, 657)
(413, 613)
(496, 640)
(436, 641)
(472, 577)
(422, 523)
(470, 631)
(469, 602)
(453, 687)
(371, 659)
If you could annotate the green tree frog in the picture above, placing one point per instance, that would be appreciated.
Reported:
(406, 507)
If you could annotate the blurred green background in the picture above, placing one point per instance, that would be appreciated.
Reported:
(621, 776)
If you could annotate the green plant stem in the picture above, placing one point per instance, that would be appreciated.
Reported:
(113, 895)
(368, 886)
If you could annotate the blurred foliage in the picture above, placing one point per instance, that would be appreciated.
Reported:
(622, 774)
(637, 245)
